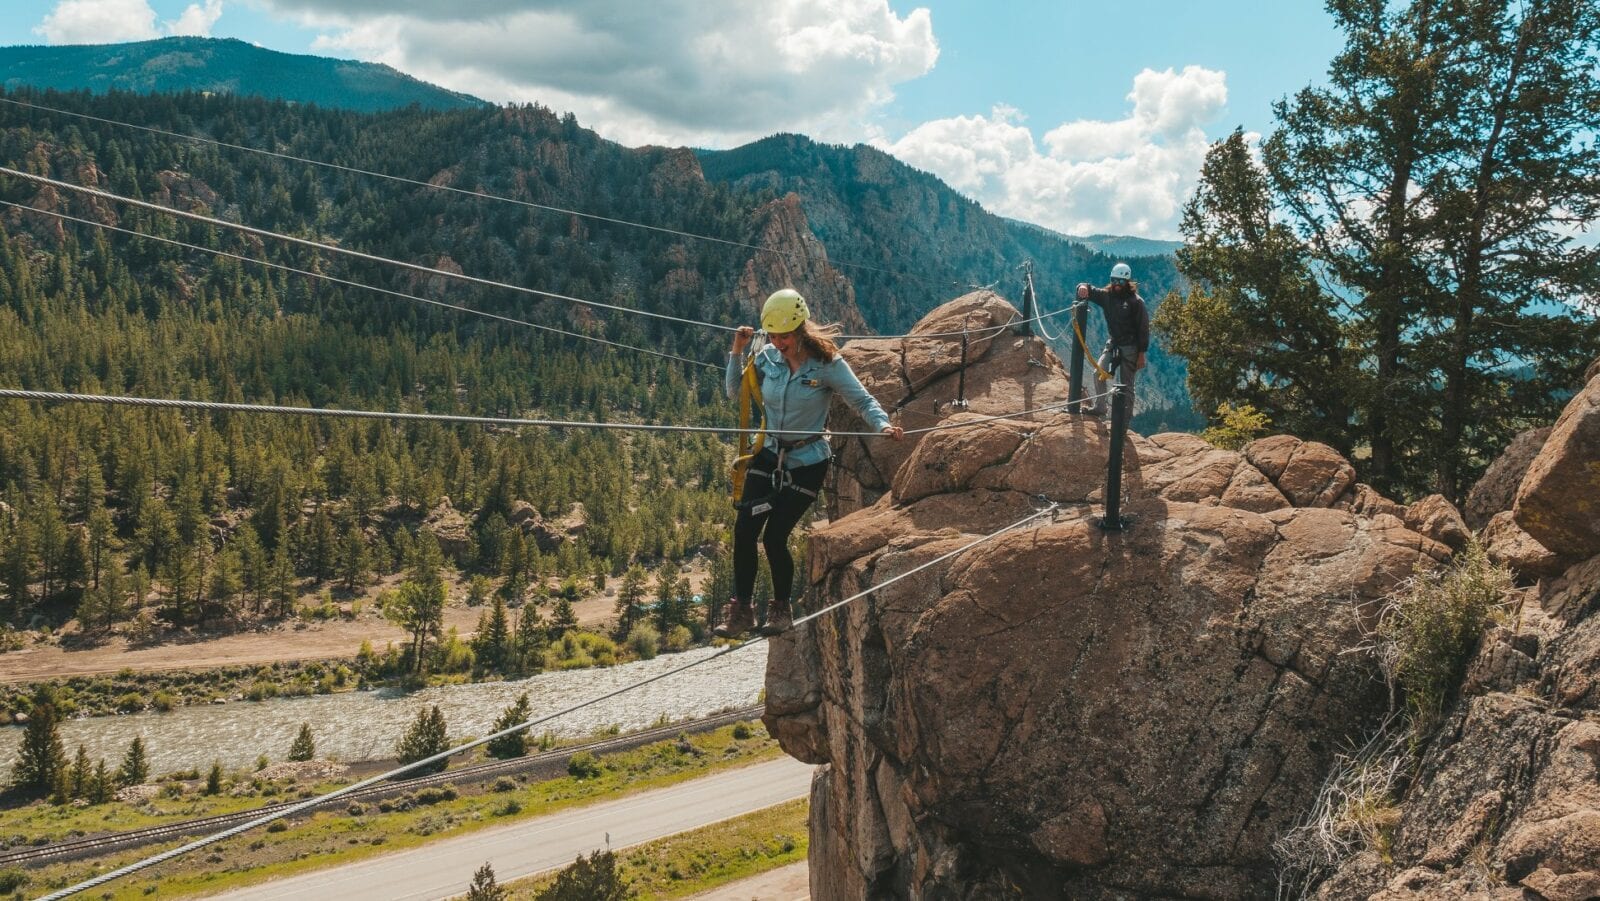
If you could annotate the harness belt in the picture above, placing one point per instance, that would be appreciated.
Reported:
(798, 443)
(782, 480)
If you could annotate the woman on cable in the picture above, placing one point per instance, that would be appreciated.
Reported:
(798, 373)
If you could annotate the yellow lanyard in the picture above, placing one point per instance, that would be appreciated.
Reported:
(748, 445)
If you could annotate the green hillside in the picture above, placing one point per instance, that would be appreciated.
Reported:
(221, 66)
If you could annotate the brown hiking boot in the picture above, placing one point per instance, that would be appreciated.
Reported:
(779, 619)
(740, 618)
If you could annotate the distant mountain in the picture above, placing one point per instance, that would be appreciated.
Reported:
(1127, 245)
(225, 66)
(1114, 245)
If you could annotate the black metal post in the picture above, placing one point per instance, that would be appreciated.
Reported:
(1113, 520)
(1080, 321)
(960, 402)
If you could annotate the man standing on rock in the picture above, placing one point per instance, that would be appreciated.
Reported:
(1128, 323)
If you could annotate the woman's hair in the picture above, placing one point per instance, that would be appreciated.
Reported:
(818, 340)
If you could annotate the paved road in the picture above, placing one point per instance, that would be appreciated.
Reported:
(444, 868)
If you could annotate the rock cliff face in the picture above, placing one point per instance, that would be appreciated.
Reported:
(1506, 801)
(1062, 712)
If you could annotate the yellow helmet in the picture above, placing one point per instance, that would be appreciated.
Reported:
(783, 312)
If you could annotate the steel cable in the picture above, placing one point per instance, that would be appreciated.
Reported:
(353, 284)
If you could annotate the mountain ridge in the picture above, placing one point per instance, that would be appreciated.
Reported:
(222, 65)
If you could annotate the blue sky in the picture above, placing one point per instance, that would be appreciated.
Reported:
(1084, 117)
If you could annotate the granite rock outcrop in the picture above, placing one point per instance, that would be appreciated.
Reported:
(1062, 711)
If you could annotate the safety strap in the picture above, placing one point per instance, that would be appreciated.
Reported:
(748, 445)
(1087, 353)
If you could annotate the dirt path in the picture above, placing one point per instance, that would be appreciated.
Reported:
(297, 641)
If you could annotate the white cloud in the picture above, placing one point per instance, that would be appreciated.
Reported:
(1130, 176)
(197, 20)
(703, 72)
(98, 22)
(114, 21)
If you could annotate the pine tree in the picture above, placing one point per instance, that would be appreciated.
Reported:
(41, 761)
(426, 737)
(304, 746)
(214, 779)
(494, 637)
(562, 619)
(516, 744)
(354, 560)
(78, 779)
(135, 768)
(1430, 186)
(484, 887)
(101, 787)
(630, 600)
(592, 878)
(531, 640)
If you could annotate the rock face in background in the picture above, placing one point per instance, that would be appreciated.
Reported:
(1506, 802)
(1558, 503)
(917, 381)
(1497, 489)
(1062, 711)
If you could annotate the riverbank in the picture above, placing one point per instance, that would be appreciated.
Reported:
(360, 725)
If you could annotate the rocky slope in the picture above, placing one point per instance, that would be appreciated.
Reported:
(1506, 801)
(1065, 712)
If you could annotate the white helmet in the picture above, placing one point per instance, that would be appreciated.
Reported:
(1122, 271)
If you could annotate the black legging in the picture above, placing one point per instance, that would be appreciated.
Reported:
(787, 508)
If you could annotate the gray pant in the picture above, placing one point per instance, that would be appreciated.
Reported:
(1124, 356)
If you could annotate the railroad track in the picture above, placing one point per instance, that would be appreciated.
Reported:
(556, 759)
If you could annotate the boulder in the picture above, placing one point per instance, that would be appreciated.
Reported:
(449, 527)
(1009, 722)
(1437, 518)
(1558, 503)
(1497, 489)
(1308, 473)
(1509, 546)
(918, 380)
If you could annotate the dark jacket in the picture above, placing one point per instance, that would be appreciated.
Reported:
(1126, 317)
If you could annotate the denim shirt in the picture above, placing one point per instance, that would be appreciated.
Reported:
(796, 403)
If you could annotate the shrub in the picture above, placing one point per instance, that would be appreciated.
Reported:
(11, 880)
(1237, 426)
(304, 746)
(1431, 626)
(515, 744)
(741, 731)
(427, 737)
(583, 765)
(679, 639)
(430, 796)
(644, 641)
(504, 784)
(162, 701)
(277, 826)
(261, 689)
(511, 807)
(132, 702)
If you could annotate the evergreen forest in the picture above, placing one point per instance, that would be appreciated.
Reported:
(155, 517)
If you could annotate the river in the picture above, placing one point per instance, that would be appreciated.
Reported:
(361, 725)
